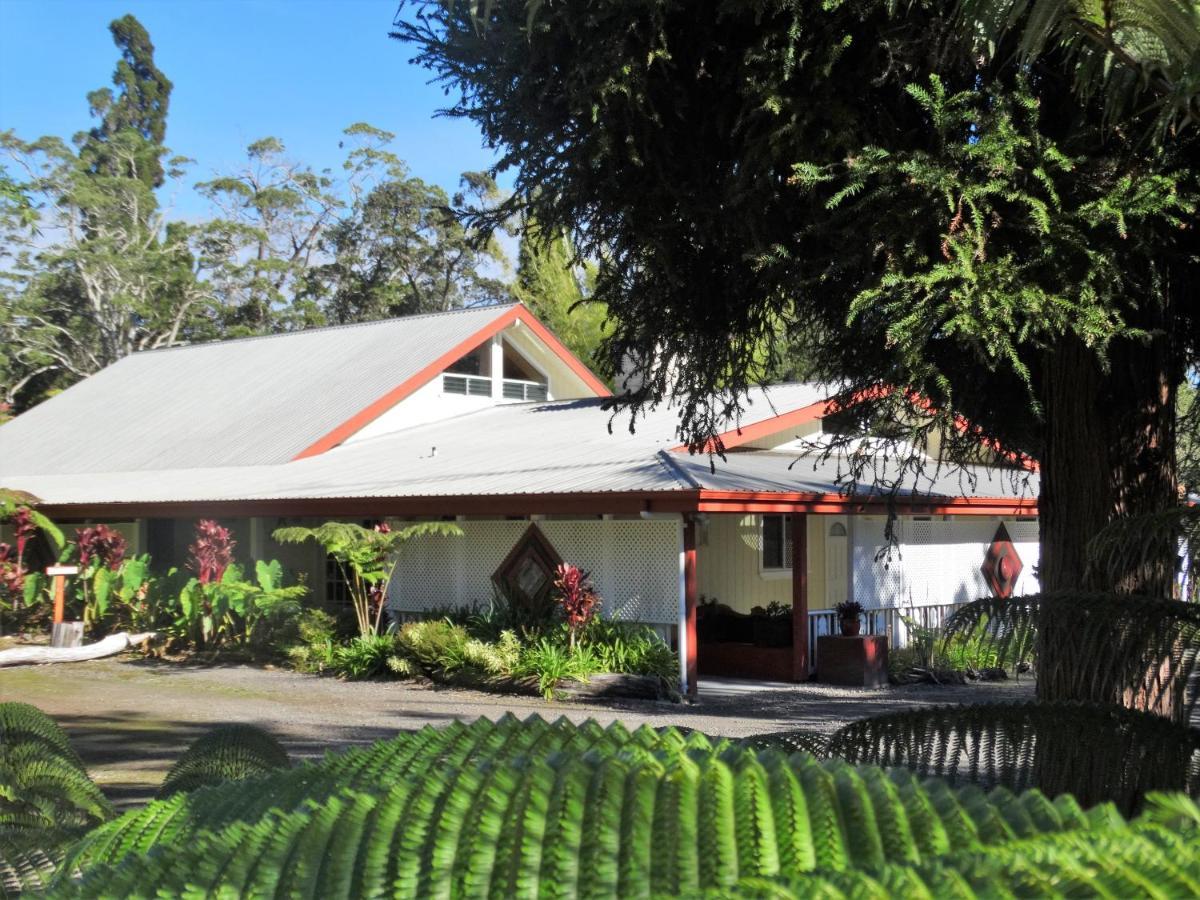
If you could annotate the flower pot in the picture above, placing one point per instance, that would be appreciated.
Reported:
(851, 627)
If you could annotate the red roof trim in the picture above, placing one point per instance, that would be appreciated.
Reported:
(588, 503)
(370, 413)
(767, 501)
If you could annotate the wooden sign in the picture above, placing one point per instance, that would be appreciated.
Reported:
(62, 570)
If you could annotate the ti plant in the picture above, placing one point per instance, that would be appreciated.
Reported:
(19, 587)
(102, 552)
(233, 609)
(577, 597)
(367, 558)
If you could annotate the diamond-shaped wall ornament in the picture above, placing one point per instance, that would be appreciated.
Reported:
(526, 577)
(1001, 564)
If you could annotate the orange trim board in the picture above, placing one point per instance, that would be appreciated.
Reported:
(591, 503)
(370, 413)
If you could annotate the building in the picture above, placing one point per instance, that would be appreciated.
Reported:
(483, 416)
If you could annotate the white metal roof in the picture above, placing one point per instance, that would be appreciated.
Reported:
(559, 447)
(250, 402)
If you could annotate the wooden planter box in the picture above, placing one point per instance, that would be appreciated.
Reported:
(744, 660)
(853, 661)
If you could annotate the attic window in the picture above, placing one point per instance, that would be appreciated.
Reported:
(471, 364)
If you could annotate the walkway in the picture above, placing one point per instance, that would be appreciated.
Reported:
(130, 719)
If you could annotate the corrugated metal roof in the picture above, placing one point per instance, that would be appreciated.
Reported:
(256, 401)
(558, 447)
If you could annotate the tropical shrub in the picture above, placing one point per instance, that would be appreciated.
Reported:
(1123, 649)
(367, 558)
(1095, 752)
(232, 753)
(21, 588)
(232, 610)
(534, 808)
(317, 639)
(577, 599)
(364, 657)
(630, 648)
(46, 796)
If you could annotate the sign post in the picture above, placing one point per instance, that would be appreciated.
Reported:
(62, 635)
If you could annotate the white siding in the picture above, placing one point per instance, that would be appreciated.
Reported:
(634, 565)
(937, 561)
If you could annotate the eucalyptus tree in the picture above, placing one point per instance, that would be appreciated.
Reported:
(948, 236)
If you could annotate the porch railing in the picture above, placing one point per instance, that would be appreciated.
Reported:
(887, 621)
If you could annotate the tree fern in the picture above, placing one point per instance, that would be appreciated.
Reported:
(231, 753)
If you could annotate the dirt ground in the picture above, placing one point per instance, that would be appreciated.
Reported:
(130, 718)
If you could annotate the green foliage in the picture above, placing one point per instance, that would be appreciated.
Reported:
(231, 753)
(367, 558)
(627, 647)
(365, 656)
(317, 633)
(1142, 59)
(1107, 648)
(550, 281)
(528, 808)
(236, 611)
(1095, 753)
(552, 662)
(46, 796)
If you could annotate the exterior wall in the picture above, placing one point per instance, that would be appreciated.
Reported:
(938, 560)
(729, 557)
(634, 564)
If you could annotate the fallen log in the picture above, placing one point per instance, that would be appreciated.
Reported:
(33, 656)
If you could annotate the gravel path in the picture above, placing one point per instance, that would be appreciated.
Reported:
(130, 719)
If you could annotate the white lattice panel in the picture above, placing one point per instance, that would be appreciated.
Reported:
(937, 561)
(634, 565)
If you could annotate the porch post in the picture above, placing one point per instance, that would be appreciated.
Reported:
(688, 631)
(800, 597)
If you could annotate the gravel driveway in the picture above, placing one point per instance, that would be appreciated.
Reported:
(130, 718)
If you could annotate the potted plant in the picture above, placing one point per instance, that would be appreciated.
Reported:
(773, 625)
(848, 612)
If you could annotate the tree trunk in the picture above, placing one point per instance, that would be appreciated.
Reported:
(1109, 454)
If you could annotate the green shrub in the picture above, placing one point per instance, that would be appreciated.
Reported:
(232, 753)
(364, 657)
(46, 796)
(535, 808)
(317, 632)
(630, 648)
(551, 662)
(432, 643)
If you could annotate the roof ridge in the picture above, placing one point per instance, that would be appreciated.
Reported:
(497, 307)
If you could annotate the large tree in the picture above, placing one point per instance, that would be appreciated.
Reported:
(554, 283)
(139, 104)
(93, 272)
(948, 234)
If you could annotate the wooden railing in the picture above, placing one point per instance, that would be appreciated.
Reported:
(887, 621)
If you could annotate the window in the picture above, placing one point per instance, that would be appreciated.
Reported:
(776, 543)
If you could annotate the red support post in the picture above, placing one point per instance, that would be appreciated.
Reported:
(800, 597)
(689, 595)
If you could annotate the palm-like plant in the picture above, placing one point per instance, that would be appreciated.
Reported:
(367, 558)
(1140, 55)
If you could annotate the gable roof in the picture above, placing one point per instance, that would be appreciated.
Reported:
(537, 451)
(251, 402)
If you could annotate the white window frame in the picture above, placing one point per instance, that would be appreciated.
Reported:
(769, 572)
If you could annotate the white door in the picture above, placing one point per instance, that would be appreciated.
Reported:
(837, 559)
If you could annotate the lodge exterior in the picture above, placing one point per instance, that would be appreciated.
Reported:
(483, 416)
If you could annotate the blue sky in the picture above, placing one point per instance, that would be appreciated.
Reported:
(301, 70)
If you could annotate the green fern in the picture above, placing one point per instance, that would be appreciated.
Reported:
(536, 808)
(1090, 752)
(232, 753)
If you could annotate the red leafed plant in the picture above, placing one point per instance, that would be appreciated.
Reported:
(23, 528)
(577, 597)
(100, 544)
(12, 572)
(211, 552)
